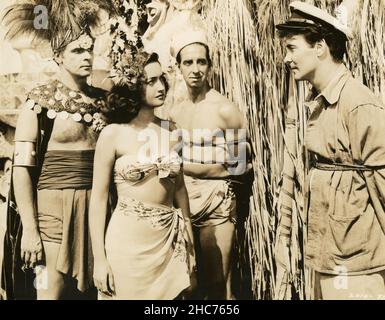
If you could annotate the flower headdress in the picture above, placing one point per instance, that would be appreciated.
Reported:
(128, 60)
(127, 54)
(130, 67)
(58, 21)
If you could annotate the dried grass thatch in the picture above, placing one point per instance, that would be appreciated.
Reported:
(248, 66)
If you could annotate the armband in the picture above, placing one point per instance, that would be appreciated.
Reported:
(25, 154)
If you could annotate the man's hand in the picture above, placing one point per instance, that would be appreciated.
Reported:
(241, 170)
(31, 248)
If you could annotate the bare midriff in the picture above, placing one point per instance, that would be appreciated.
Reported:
(151, 190)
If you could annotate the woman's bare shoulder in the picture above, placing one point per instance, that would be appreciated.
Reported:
(113, 131)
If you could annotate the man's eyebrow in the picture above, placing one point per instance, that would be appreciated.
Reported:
(82, 49)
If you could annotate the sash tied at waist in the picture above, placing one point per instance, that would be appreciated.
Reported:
(67, 169)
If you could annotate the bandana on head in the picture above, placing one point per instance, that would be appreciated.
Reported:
(186, 37)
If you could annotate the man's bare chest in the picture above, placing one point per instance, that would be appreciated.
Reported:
(69, 131)
(198, 118)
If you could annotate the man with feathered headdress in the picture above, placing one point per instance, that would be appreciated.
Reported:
(53, 159)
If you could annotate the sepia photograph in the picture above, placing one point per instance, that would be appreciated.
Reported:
(192, 150)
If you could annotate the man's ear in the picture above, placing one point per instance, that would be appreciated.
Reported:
(210, 71)
(321, 47)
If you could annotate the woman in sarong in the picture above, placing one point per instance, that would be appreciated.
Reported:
(146, 250)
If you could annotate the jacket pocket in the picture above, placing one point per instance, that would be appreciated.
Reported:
(348, 235)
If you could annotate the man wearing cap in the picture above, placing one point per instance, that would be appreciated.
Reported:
(53, 164)
(210, 124)
(345, 138)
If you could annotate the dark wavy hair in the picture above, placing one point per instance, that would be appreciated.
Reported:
(124, 101)
(335, 40)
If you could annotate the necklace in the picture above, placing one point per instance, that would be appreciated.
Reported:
(60, 101)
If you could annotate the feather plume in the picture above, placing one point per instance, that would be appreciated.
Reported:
(19, 20)
(67, 19)
(65, 24)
